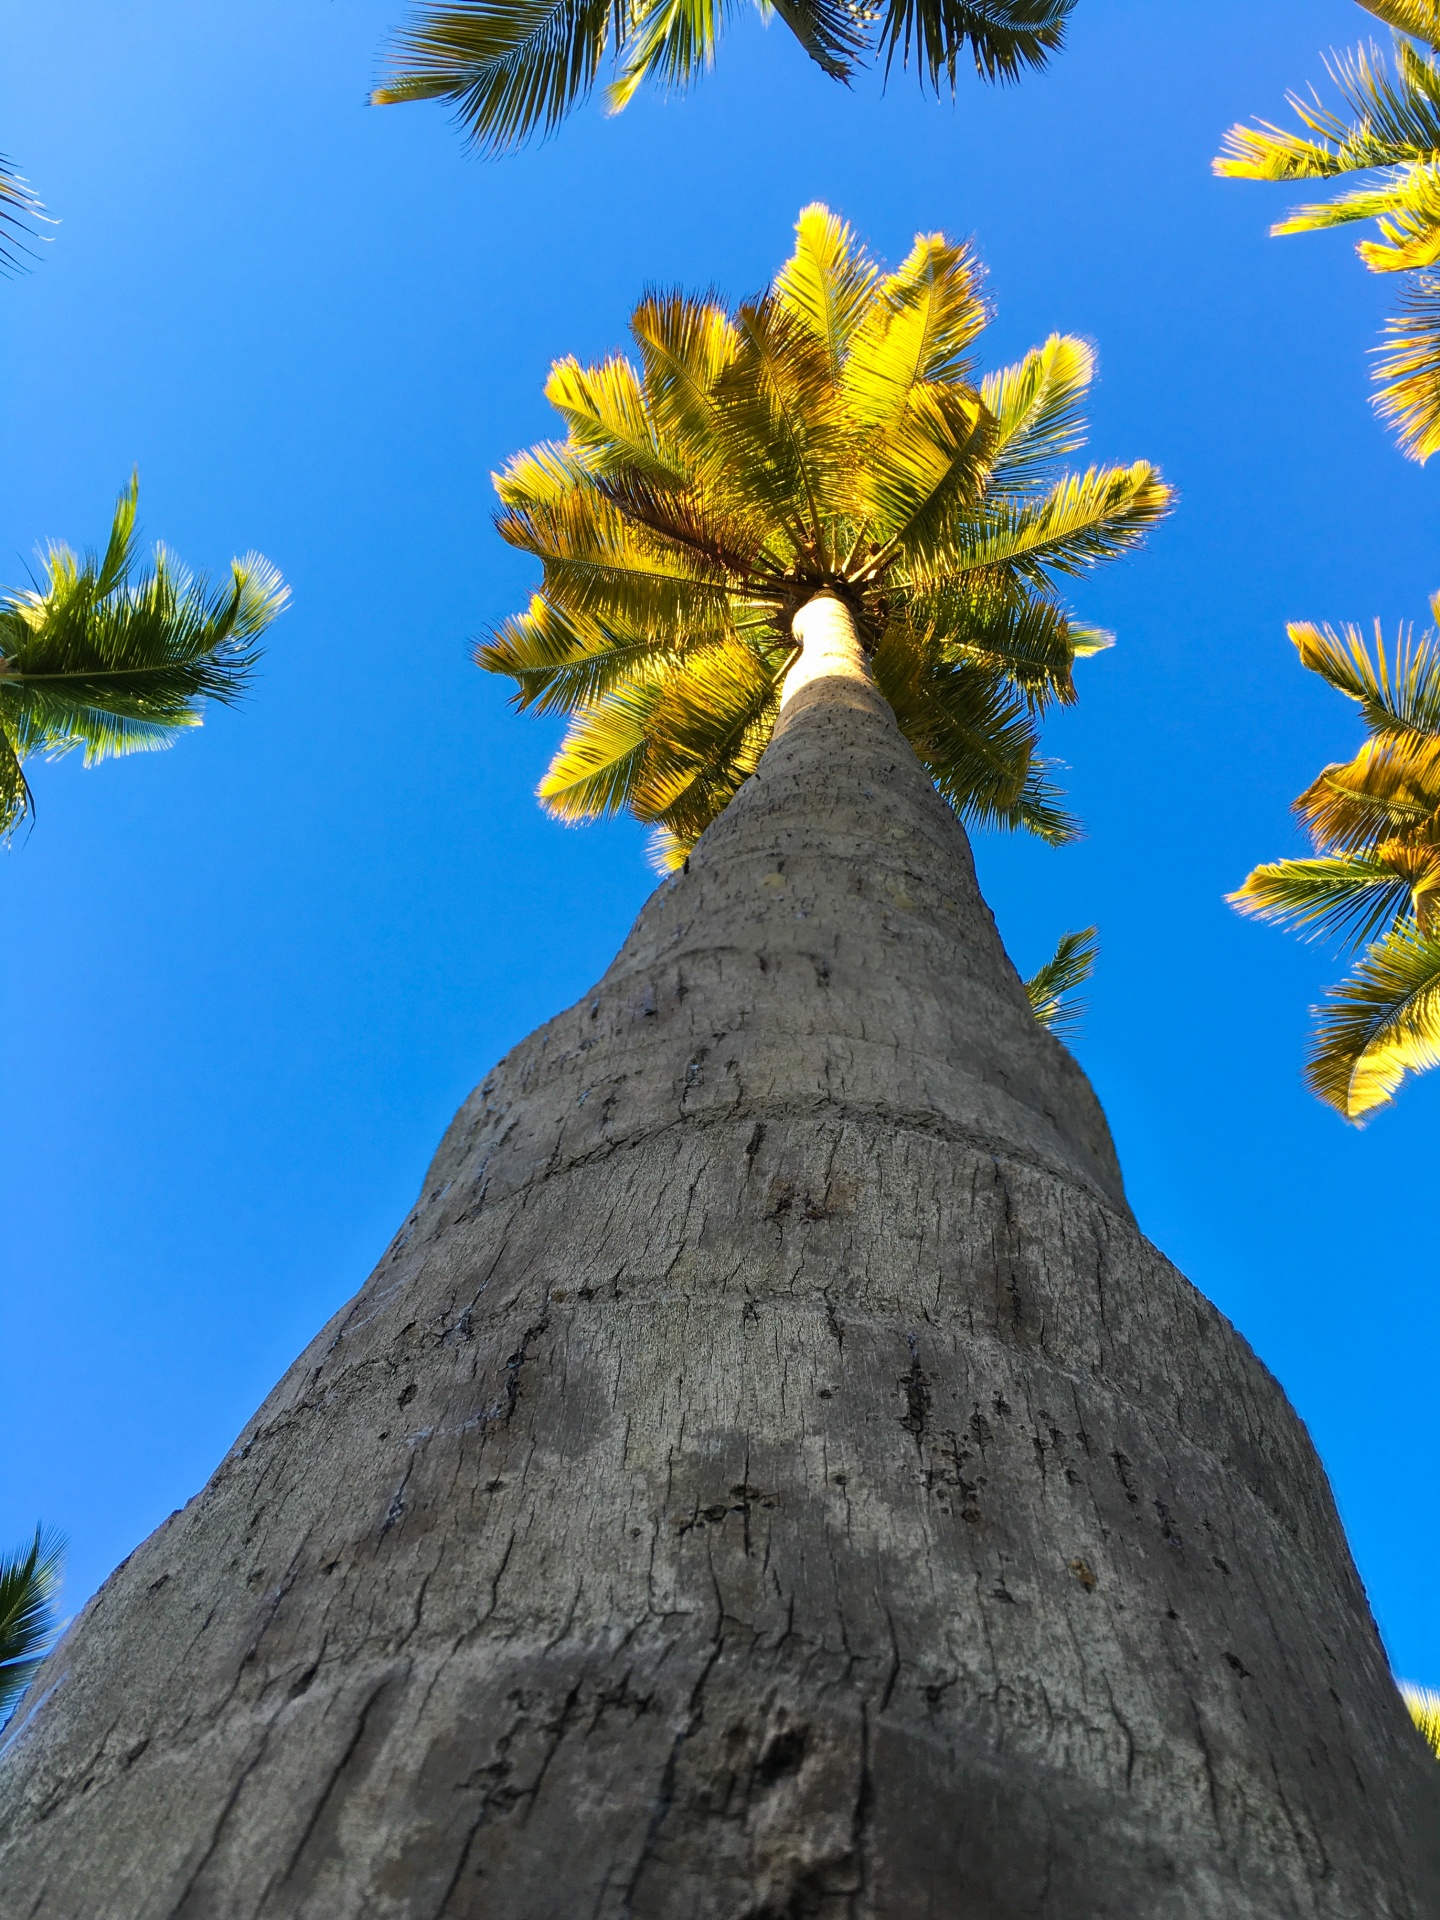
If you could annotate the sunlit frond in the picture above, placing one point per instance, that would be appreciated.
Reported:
(1407, 370)
(1052, 990)
(1379, 1024)
(828, 284)
(920, 327)
(1424, 1705)
(1037, 407)
(1347, 897)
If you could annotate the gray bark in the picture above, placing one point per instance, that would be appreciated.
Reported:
(768, 1475)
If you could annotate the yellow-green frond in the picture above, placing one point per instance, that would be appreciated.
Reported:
(920, 327)
(828, 283)
(1424, 1705)
(611, 428)
(1378, 1025)
(1407, 371)
(1348, 897)
(1037, 409)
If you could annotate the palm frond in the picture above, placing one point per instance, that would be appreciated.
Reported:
(511, 68)
(98, 657)
(1379, 1024)
(1398, 691)
(1347, 897)
(669, 41)
(828, 283)
(19, 212)
(1037, 408)
(1053, 988)
(1005, 38)
(1407, 371)
(1424, 1706)
(29, 1584)
(919, 328)
(1085, 519)
(1419, 18)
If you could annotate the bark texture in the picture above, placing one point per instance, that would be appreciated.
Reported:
(769, 1475)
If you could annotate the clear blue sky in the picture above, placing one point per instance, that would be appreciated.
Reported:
(245, 983)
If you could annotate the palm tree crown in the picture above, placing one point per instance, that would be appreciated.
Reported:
(830, 436)
(96, 657)
(513, 68)
(1375, 881)
(1389, 127)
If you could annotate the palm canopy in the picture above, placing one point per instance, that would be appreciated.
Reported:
(1374, 883)
(829, 435)
(29, 1582)
(514, 68)
(1424, 1705)
(100, 657)
(1389, 127)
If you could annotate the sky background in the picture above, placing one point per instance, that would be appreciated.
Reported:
(245, 983)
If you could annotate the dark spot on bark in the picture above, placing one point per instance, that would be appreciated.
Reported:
(915, 1386)
(407, 1395)
(1168, 1532)
(1217, 1561)
(825, 1394)
(784, 1755)
(841, 1480)
(493, 1486)
(303, 1683)
(1122, 1469)
(1083, 1574)
(980, 1427)
(756, 1140)
(155, 1585)
(1003, 1593)
(1002, 1405)
(1238, 1665)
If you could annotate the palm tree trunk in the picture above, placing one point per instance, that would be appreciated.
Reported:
(768, 1475)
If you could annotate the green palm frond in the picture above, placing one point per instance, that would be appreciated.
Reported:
(19, 213)
(1424, 1705)
(29, 1583)
(1407, 369)
(1053, 988)
(513, 69)
(829, 436)
(113, 661)
(1420, 19)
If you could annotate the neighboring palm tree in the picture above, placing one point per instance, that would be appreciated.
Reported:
(29, 1582)
(830, 437)
(1375, 877)
(102, 657)
(1052, 990)
(1390, 128)
(1424, 1705)
(514, 68)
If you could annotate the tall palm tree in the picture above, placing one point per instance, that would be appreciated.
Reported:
(1388, 127)
(769, 1474)
(100, 656)
(515, 68)
(29, 1582)
(830, 437)
(1374, 881)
